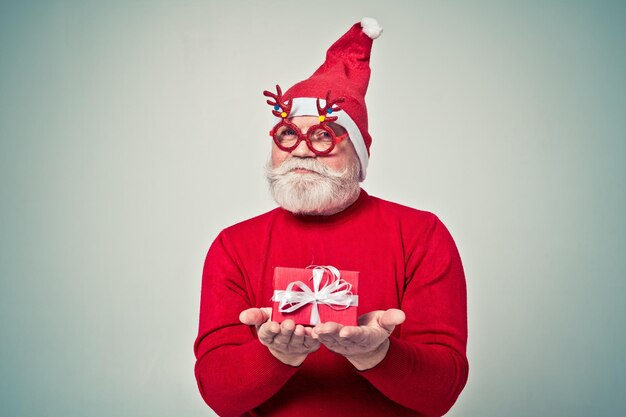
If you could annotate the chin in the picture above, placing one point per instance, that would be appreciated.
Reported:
(313, 194)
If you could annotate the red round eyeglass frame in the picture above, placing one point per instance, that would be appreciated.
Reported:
(305, 137)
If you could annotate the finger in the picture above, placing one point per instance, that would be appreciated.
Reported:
(391, 318)
(297, 337)
(352, 332)
(268, 331)
(328, 339)
(311, 344)
(254, 316)
(326, 328)
(286, 331)
(299, 331)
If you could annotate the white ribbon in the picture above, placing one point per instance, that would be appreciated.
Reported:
(335, 293)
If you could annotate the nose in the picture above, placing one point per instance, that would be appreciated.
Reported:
(303, 151)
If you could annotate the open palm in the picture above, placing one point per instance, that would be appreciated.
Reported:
(364, 345)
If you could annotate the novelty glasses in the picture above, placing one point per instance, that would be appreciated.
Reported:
(320, 138)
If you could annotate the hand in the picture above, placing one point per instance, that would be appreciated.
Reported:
(365, 345)
(288, 342)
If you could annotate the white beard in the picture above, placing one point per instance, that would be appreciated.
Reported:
(323, 192)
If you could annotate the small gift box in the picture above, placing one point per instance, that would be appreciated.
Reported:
(316, 294)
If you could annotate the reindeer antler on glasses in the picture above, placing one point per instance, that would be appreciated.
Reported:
(324, 112)
(281, 108)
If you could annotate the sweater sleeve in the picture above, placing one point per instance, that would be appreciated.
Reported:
(426, 368)
(234, 371)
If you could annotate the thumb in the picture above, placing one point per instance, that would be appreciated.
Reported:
(255, 316)
(391, 318)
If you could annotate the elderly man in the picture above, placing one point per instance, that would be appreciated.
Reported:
(406, 356)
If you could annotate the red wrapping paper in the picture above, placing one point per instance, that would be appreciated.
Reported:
(339, 314)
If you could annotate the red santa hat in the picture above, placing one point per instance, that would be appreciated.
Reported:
(345, 73)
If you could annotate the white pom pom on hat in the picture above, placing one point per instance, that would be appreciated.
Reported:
(371, 27)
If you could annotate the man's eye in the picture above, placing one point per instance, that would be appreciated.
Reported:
(321, 135)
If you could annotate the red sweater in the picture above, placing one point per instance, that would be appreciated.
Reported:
(406, 259)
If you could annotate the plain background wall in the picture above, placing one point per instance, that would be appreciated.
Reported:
(132, 132)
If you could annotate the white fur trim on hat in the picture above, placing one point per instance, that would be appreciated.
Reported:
(371, 27)
(307, 106)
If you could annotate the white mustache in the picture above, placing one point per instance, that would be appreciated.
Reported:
(310, 164)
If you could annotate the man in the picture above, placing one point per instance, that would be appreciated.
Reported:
(406, 357)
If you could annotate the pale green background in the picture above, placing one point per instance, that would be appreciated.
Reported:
(132, 132)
